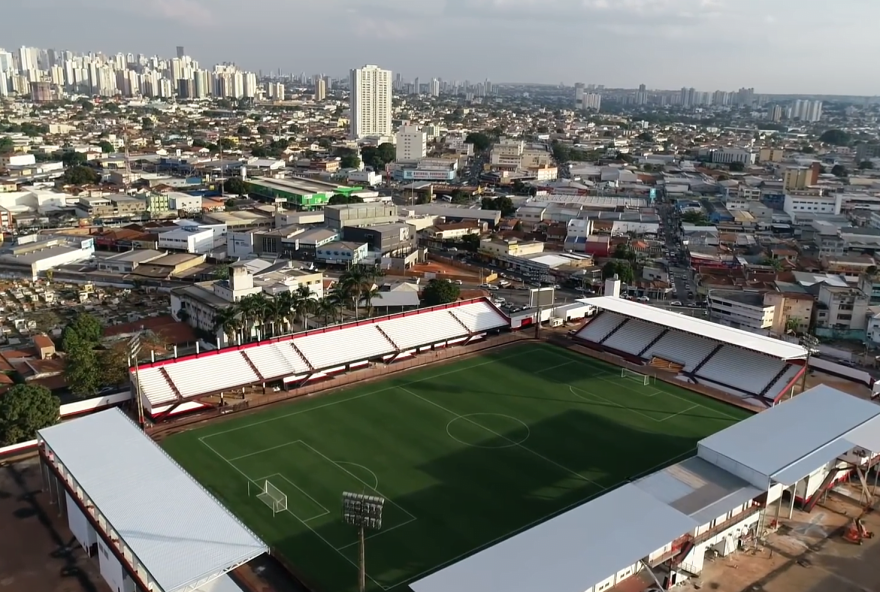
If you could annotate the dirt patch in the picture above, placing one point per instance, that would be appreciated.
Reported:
(37, 551)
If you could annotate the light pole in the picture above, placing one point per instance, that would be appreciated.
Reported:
(134, 348)
(810, 343)
(363, 512)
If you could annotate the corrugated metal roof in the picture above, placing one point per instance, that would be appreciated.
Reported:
(699, 489)
(867, 435)
(569, 553)
(759, 343)
(776, 440)
(178, 531)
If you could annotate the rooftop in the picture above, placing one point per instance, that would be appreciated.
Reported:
(178, 531)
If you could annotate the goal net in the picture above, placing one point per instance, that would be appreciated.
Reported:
(272, 497)
(633, 375)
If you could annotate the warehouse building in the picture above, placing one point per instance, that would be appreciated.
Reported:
(303, 194)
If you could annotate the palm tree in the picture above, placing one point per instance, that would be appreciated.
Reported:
(367, 298)
(356, 280)
(305, 305)
(327, 308)
(287, 305)
(274, 315)
(338, 296)
(253, 311)
(228, 320)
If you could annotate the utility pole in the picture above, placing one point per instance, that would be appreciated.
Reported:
(810, 342)
(134, 348)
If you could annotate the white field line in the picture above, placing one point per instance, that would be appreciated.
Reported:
(515, 443)
(317, 503)
(691, 408)
(609, 401)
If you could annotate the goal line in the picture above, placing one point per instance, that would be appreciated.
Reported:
(645, 379)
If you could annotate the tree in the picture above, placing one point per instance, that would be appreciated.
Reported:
(471, 242)
(504, 204)
(835, 137)
(378, 156)
(737, 167)
(262, 130)
(439, 292)
(623, 270)
(259, 152)
(839, 170)
(236, 185)
(356, 281)
(480, 141)
(83, 328)
(147, 123)
(807, 149)
(695, 218)
(624, 251)
(866, 165)
(773, 262)
(339, 198)
(646, 137)
(81, 175)
(243, 130)
(6, 145)
(350, 162)
(227, 143)
(106, 147)
(24, 409)
(71, 158)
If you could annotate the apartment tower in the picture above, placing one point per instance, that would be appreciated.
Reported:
(370, 102)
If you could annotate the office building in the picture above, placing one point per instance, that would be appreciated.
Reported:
(180, 51)
(412, 143)
(320, 87)
(370, 102)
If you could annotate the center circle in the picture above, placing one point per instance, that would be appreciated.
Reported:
(493, 434)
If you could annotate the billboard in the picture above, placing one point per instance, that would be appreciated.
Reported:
(541, 297)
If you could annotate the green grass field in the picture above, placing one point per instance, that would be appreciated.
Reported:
(466, 454)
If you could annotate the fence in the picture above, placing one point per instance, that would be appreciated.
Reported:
(841, 371)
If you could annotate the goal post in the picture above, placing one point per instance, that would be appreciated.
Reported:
(270, 495)
(645, 379)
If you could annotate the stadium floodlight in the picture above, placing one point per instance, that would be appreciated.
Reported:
(134, 349)
(363, 512)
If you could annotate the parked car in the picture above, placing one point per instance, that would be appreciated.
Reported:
(675, 303)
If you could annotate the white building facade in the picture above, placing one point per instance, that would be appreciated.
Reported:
(370, 102)
(412, 143)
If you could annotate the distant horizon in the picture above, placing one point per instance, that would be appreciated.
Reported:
(705, 44)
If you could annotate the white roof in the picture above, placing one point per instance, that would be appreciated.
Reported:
(759, 343)
(571, 552)
(796, 437)
(177, 530)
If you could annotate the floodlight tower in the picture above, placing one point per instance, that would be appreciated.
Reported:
(363, 512)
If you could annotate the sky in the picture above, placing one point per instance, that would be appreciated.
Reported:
(775, 46)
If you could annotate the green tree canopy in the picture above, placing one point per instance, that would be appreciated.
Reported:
(227, 143)
(106, 147)
(504, 204)
(646, 137)
(6, 145)
(378, 156)
(83, 370)
(480, 141)
(81, 175)
(339, 199)
(71, 158)
(24, 409)
(348, 158)
(147, 123)
(737, 167)
(696, 218)
(836, 137)
(622, 269)
(439, 292)
(235, 185)
(84, 328)
(262, 130)
(624, 251)
(561, 152)
(866, 165)
(243, 130)
(839, 170)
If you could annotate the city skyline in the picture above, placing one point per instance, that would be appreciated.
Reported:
(710, 43)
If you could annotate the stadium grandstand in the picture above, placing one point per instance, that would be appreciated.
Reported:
(150, 525)
(663, 525)
(695, 351)
(174, 386)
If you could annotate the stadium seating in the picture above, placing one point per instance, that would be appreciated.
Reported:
(634, 336)
(781, 382)
(422, 329)
(599, 328)
(211, 373)
(478, 316)
(685, 348)
(741, 368)
(337, 348)
(155, 387)
(275, 360)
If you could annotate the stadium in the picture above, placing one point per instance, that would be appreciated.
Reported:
(641, 444)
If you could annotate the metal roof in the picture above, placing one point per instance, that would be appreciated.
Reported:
(571, 552)
(797, 436)
(699, 489)
(177, 530)
(759, 343)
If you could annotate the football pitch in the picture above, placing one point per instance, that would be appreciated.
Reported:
(465, 453)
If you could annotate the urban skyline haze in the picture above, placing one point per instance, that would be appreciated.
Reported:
(772, 47)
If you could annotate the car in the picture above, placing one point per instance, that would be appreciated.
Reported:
(643, 299)
(675, 303)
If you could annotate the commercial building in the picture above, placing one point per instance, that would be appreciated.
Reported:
(198, 242)
(370, 102)
(411, 143)
(426, 169)
(812, 204)
(182, 202)
(38, 256)
(342, 253)
(741, 310)
(303, 194)
(512, 248)
(730, 155)
(362, 214)
(128, 261)
(800, 178)
(385, 239)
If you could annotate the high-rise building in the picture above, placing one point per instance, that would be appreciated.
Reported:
(320, 88)
(579, 96)
(776, 113)
(370, 102)
(435, 87)
(642, 95)
(417, 86)
(412, 142)
(180, 51)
